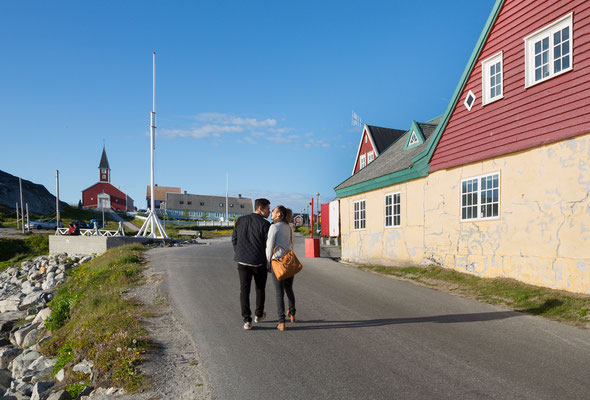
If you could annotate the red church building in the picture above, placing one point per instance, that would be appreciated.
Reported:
(103, 194)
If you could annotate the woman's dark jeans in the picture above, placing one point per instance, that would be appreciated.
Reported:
(282, 287)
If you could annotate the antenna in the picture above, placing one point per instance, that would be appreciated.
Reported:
(356, 120)
(152, 223)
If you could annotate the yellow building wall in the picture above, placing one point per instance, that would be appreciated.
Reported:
(542, 235)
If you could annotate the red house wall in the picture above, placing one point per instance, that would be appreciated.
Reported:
(118, 198)
(325, 220)
(365, 147)
(550, 111)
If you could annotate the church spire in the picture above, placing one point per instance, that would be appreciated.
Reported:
(104, 170)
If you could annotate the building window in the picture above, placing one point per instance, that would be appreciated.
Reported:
(469, 100)
(181, 202)
(548, 52)
(359, 214)
(392, 210)
(241, 206)
(189, 202)
(366, 138)
(492, 79)
(370, 156)
(363, 161)
(413, 139)
(202, 203)
(480, 197)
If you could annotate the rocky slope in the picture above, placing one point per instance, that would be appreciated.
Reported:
(37, 196)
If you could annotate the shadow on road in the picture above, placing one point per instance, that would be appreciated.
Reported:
(439, 319)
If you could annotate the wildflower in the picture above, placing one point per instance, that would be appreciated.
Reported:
(118, 349)
(134, 341)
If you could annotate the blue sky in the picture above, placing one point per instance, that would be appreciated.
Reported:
(262, 91)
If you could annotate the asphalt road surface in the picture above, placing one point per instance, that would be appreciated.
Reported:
(364, 336)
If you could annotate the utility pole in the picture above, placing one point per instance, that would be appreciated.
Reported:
(17, 217)
(28, 224)
(226, 197)
(57, 217)
(20, 184)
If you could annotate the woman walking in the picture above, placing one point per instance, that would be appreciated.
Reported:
(280, 236)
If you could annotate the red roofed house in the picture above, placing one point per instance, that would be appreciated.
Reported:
(373, 142)
(103, 194)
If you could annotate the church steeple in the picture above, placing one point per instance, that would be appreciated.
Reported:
(104, 170)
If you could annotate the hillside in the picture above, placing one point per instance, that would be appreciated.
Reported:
(39, 199)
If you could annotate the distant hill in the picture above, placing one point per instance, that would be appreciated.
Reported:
(39, 199)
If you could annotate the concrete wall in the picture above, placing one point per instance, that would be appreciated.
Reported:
(87, 245)
(542, 235)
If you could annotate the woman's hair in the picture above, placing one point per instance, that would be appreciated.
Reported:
(286, 214)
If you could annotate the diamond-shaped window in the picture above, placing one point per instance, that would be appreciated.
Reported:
(469, 100)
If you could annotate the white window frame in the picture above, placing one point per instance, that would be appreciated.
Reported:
(486, 77)
(370, 156)
(547, 32)
(466, 104)
(359, 215)
(478, 205)
(363, 161)
(413, 139)
(392, 208)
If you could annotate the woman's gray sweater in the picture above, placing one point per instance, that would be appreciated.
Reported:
(279, 234)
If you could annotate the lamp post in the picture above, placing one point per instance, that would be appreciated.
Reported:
(317, 219)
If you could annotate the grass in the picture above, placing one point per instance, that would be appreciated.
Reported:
(554, 304)
(92, 319)
(13, 251)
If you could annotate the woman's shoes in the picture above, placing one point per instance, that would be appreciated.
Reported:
(281, 326)
(290, 316)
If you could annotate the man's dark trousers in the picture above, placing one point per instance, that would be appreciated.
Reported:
(246, 273)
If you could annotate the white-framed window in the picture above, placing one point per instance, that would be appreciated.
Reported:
(492, 79)
(363, 160)
(366, 138)
(370, 156)
(392, 209)
(359, 214)
(469, 100)
(480, 197)
(548, 52)
(413, 139)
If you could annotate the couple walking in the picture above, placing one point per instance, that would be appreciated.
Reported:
(254, 240)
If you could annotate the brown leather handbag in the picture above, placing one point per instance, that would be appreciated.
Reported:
(286, 266)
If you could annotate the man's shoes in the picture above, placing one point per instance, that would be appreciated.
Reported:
(281, 326)
(290, 316)
(261, 318)
(247, 325)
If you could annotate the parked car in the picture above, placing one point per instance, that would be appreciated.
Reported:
(44, 224)
(98, 223)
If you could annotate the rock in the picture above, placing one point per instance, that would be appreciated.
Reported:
(9, 305)
(61, 395)
(25, 388)
(41, 369)
(84, 367)
(60, 376)
(12, 394)
(39, 388)
(7, 354)
(7, 320)
(42, 315)
(60, 277)
(21, 363)
(31, 337)
(32, 300)
(48, 284)
(17, 337)
(42, 270)
(5, 378)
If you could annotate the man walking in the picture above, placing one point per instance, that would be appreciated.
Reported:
(249, 240)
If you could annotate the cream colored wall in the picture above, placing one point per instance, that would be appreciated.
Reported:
(541, 237)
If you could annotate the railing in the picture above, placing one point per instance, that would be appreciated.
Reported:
(93, 232)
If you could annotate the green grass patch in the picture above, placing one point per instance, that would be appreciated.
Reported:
(13, 251)
(554, 304)
(92, 319)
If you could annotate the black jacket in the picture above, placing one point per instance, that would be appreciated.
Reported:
(249, 239)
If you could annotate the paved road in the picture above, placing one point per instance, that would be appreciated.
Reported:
(364, 336)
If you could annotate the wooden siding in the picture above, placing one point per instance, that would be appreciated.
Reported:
(365, 148)
(547, 112)
(118, 198)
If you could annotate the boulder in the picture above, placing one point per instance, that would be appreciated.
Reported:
(5, 378)
(61, 395)
(83, 367)
(42, 270)
(10, 304)
(41, 369)
(18, 336)
(7, 320)
(21, 363)
(25, 388)
(7, 354)
(60, 376)
(32, 300)
(31, 337)
(12, 394)
(39, 389)
(42, 315)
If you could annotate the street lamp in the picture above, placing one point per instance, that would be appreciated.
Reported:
(317, 220)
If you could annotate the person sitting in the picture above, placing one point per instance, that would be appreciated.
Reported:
(76, 231)
(70, 229)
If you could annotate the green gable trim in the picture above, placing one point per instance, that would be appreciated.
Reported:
(429, 150)
(415, 128)
(384, 181)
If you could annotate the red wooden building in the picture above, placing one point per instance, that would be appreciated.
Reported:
(103, 194)
(374, 141)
